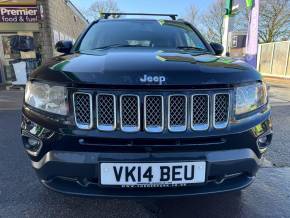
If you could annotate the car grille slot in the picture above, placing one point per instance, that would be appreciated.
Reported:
(130, 113)
(106, 112)
(154, 113)
(177, 113)
(83, 110)
(200, 112)
(221, 110)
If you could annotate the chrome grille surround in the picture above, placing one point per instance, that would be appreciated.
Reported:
(177, 113)
(130, 113)
(221, 110)
(106, 112)
(154, 113)
(83, 110)
(200, 112)
(191, 111)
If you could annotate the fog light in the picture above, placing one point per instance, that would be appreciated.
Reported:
(264, 141)
(33, 142)
(32, 145)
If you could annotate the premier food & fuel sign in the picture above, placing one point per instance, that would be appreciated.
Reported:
(19, 14)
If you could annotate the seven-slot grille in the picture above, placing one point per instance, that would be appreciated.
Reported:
(132, 113)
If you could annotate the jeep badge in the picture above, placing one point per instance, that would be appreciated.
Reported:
(153, 79)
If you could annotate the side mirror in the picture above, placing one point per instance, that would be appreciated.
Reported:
(218, 48)
(64, 46)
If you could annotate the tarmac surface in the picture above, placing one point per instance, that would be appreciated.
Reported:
(21, 195)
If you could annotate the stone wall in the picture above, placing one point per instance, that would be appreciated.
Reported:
(61, 21)
(64, 19)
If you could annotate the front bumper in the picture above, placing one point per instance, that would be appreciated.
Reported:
(77, 172)
(68, 160)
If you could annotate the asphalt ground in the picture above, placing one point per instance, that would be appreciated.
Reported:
(21, 195)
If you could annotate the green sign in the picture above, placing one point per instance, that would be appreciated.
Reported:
(249, 3)
(229, 5)
(232, 3)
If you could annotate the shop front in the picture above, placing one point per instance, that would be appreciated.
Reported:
(19, 50)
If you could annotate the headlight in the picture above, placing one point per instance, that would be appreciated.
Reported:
(46, 97)
(250, 98)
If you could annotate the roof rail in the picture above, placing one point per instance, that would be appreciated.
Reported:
(108, 14)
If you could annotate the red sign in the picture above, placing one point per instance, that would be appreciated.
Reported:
(19, 15)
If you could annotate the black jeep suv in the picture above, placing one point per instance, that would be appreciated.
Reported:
(145, 108)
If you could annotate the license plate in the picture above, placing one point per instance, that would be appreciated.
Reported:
(152, 174)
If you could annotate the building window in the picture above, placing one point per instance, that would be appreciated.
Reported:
(235, 42)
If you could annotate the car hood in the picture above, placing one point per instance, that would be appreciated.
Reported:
(140, 66)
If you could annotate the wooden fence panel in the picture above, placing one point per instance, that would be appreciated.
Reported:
(274, 59)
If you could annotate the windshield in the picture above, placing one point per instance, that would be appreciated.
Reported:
(141, 33)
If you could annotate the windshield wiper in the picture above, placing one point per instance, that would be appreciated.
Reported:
(191, 48)
(117, 46)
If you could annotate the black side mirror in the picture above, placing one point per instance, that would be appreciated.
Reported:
(64, 46)
(218, 48)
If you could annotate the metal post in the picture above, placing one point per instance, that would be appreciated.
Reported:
(226, 25)
(272, 58)
(259, 57)
(226, 34)
(252, 38)
(2, 75)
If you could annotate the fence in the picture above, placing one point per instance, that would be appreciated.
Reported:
(274, 59)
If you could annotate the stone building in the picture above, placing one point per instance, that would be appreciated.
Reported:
(29, 30)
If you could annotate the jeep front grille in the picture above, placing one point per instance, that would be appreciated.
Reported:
(83, 110)
(153, 113)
